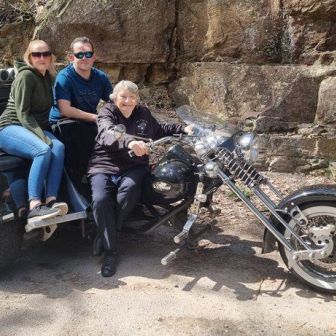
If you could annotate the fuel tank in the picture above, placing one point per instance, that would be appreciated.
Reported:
(170, 181)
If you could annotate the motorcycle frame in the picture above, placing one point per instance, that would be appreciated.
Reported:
(233, 167)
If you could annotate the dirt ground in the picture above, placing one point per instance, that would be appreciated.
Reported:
(225, 287)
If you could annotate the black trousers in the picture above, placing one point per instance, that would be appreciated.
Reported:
(113, 201)
(79, 139)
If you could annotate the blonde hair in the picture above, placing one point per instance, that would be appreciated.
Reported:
(125, 85)
(27, 56)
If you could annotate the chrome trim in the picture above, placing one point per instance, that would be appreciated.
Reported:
(306, 254)
(271, 207)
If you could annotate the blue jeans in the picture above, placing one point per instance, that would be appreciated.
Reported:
(47, 166)
(17, 181)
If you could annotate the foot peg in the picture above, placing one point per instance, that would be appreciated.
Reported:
(169, 257)
(181, 236)
(186, 228)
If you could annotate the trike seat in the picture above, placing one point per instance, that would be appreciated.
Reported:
(10, 162)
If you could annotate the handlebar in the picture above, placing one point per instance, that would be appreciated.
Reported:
(152, 144)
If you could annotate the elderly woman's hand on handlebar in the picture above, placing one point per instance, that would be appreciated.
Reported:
(189, 129)
(139, 148)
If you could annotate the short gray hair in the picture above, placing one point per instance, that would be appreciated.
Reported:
(125, 85)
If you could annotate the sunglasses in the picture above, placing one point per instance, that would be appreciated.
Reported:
(39, 54)
(81, 54)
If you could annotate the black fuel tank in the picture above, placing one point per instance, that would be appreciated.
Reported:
(169, 182)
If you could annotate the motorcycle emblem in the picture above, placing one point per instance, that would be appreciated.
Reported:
(161, 186)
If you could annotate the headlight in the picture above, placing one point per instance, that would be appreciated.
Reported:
(206, 145)
(248, 143)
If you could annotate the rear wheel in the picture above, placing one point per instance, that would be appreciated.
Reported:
(319, 230)
(11, 235)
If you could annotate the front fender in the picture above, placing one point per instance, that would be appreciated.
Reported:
(313, 193)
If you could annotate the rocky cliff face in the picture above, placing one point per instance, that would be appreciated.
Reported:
(273, 61)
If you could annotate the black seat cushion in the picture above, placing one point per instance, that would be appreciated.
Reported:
(10, 162)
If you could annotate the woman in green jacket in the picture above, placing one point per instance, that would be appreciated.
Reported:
(24, 131)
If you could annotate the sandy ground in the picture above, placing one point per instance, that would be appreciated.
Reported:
(226, 287)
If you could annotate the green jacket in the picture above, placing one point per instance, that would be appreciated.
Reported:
(29, 102)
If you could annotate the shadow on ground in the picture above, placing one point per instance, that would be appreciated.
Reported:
(64, 264)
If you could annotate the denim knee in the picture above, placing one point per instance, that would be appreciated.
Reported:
(43, 150)
(101, 200)
(129, 186)
(58, 148)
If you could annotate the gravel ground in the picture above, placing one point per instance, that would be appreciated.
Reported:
(225, 287)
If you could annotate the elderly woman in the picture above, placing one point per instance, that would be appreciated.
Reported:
(115, 176)
(24, 131)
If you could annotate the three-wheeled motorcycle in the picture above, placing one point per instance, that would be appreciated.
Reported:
(184, 178)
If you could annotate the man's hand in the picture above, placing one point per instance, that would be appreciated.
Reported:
(138, 147)
(189, 129)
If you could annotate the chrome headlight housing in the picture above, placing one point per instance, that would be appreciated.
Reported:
(248, 145)
(207, 144)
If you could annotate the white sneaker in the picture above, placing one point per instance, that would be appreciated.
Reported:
(61, 206)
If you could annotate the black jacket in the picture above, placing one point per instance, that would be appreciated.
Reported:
(110, 156)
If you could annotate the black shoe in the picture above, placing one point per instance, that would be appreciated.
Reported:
(40, 212)
(109, 266)
(98, 247)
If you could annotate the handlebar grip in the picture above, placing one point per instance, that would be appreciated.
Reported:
(181, 236)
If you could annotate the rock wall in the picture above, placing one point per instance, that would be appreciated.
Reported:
(272, 61)
(133, 39)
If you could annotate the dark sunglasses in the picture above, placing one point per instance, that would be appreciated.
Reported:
(81, 54)
(39, 54)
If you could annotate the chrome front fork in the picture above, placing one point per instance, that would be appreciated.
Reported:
(307, 253)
